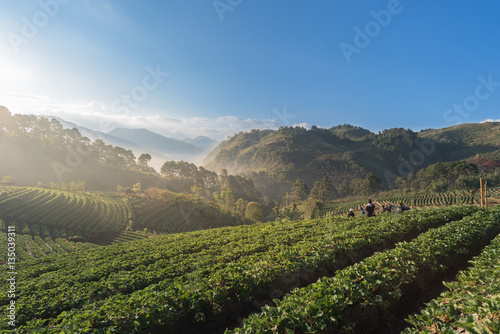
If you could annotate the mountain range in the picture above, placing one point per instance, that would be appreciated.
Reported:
(140, 141)
(272, 158)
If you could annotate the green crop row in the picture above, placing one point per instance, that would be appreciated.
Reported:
(420, 200)
(126, 237)
(37, 243)
(165, 280)
(83, 213)
(472, 302)
(359, 296)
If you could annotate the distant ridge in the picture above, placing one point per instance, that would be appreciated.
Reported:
(140, 141)
(345, 152)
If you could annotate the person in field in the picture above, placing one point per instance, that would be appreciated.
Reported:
(403, 208)
(370, 209)
(361, 211)
(350, 213)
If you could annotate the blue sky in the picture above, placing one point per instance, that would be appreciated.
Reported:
(234, 65)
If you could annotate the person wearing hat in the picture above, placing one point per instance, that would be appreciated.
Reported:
(370, 209)
(350, 213)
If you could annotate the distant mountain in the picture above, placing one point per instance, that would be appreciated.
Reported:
(345, 152)
(144, 141)
(93, 135)
(201, 141)
(154, 141)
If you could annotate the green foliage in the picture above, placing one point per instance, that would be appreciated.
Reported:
(144, 159)
(240, 207)
(254, 212)
(394, 139)
(375, 283)
(300, 190)
(41, 150)
(163, 211)
(472, 301)
(316, 210)
(157, 284)
(323, 190)
(443, 176)
(80, 212)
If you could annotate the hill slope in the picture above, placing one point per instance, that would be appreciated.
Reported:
(345, 152)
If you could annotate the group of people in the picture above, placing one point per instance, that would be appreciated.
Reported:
(369, 209)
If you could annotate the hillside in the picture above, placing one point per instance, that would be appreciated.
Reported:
(344, 152)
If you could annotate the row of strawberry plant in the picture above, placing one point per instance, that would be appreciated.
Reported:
(471, 303)
(13, 208)
(126, 237)
(458, 197)
(139, 265)
(31, 245)
(160, 290)
(422, 200)
(90, 214)
(358, 297)
(145, 211)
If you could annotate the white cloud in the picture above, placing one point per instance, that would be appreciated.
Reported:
(97, 116)
(491, 120)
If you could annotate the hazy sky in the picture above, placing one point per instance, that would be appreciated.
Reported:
(193, 67)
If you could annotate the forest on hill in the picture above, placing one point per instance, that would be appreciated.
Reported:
(347, 154)
(274, 168)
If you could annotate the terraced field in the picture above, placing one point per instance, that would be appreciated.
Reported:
(40, 243)
(417, 201)
(321, 275)
(175, 215)
(336, 274)
(100, 219)
(76, 213)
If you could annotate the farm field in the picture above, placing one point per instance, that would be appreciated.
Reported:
(359, 298)
(81, 214)
(42, 242)
(417, 201)
(471, 302)
(212, 280)
(99, 218)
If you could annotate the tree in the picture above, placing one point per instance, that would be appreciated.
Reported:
(197, 190)
(345, 189)
(80, 186)
(372, 183)
(254, 212)
(210, 179)
(300, 190)
(401, 184)
(136, 187)
(291, 212)
(223, 179)
(144, 159)
(224, 199)
(357, 186)
(169, 170)
(240, 207)
(316, 211)
(322, 190)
